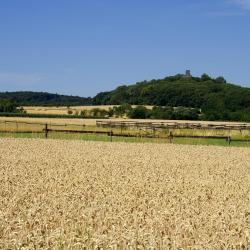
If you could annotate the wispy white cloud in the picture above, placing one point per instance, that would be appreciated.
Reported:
(230, 9)
(245, 4)
(21, 78)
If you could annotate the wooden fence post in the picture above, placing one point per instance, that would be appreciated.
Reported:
(229, 140)
(46, 130)
(171, 137)
(111, 134)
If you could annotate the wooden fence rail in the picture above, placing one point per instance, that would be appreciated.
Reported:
(172, 125)
(47, 128)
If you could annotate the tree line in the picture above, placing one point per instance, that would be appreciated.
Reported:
(29, 98)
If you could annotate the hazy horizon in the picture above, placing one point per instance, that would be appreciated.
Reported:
(85, 47)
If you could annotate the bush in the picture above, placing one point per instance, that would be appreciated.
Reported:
(122, 110)
(140, 112)
(8, 106)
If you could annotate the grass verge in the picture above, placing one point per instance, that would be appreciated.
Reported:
(97, 137)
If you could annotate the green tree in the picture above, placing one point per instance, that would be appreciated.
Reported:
(8, 106)
(205, 77)
(140, 112)
(220, 79)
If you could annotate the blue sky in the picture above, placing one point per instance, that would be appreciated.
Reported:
(82, 47)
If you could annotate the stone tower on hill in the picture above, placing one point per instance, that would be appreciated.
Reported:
(188, 73)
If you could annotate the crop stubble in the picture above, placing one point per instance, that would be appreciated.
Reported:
(74, 194)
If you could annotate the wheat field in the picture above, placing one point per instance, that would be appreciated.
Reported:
(97, 195)
(64, 110)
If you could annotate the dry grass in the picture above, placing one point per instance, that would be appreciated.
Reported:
(64, 110)
(34, 125)
(93, 121)
(51, 120)
(89, 195)
(90, 125)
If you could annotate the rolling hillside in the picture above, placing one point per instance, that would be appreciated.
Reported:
(217, 99)
(28, 98)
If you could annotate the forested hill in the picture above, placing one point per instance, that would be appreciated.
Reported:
(217, 99)
(27, 98)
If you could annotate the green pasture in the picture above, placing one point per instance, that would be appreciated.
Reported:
(138, 139)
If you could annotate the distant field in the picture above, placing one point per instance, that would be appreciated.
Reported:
(64, 110)
(58, 194)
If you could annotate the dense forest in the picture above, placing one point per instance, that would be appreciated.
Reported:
(28, 98)
(217, 99)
